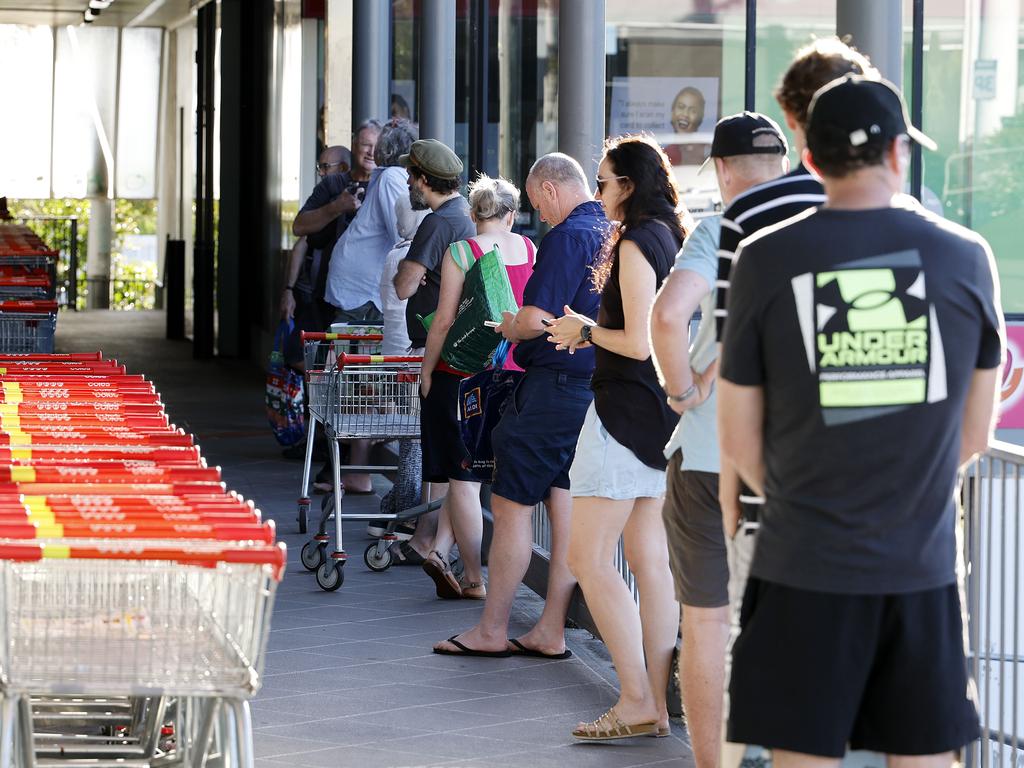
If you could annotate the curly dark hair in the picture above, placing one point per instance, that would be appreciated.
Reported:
(815, 65)
(654, 196)
(437, 184)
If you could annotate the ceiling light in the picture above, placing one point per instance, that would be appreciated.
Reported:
(99, 5)
(89, 16)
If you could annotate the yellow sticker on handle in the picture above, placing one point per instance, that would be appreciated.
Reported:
(23, 475)
(56, 551)
(18, 437)
(42, 516)
(10, 421)
(9, 409)
(51, 531)
(21, 453)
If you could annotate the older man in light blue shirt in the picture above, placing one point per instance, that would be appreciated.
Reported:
(353, 280)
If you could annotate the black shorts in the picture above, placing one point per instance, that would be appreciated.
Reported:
(815, 672)
(440, 436)
(535, 440)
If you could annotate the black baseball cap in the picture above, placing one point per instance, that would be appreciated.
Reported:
(859, 109)
(739, 135)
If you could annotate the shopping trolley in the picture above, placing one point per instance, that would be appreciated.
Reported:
(368, 397)
(320, 352)
(27, 326)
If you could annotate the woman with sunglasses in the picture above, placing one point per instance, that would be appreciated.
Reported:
(618, 475)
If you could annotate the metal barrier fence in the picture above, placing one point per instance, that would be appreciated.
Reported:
(542, 541)
(992, 539)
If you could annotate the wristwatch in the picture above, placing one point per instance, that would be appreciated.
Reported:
(585, 332)
(685, 395)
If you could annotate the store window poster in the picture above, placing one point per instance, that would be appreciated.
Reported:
(678, 111)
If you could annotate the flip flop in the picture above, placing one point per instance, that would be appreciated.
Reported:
(465, 650)
(534, 653)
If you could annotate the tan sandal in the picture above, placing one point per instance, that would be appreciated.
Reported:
(437, 568)
(473, 590)
(609, 726)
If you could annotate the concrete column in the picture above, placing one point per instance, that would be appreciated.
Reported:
(994, 76)
(371, 60)
(97, 261)
(338, 72)
(876, 29)
(437, 72)
(308, 109)
(581, 86)
(101, 229)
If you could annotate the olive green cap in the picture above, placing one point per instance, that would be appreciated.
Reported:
(433, 157)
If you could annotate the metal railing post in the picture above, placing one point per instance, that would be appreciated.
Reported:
(73, 267)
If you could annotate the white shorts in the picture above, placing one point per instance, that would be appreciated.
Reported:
(605, 468)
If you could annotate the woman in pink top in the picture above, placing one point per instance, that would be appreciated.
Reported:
(493, 204)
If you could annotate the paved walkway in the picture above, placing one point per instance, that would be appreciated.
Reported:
(350, 679)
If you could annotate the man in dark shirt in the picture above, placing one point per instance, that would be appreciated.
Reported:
(535, 441)
(856, 379)
(435, 176)
(816, 64)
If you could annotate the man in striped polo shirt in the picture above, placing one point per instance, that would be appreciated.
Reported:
(763, 205)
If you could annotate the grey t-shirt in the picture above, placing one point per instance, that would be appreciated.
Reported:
(864, 329)
(448, 224)
(697, 433)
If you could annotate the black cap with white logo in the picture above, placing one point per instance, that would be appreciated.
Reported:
(856, 110)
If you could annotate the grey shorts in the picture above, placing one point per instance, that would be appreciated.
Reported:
(696, 541)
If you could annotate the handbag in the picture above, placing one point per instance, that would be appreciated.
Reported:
(483, 398)
(284, 397)
(486, 293)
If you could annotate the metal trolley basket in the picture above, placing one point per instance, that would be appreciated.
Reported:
(373, 397)
(139, 622)
(320, 352)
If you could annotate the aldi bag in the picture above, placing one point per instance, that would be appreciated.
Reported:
(284, 393)
(486, 293)
(482, 400)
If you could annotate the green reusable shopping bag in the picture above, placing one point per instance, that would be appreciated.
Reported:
(486, 293)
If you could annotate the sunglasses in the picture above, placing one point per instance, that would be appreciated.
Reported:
(322, 168)
(601, 182)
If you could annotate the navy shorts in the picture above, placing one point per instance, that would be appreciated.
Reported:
(535, 441)
(815, 672)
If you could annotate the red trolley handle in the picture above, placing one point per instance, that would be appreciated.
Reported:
(320, 336)
(344, 359)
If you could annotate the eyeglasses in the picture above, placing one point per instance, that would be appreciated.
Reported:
(322, 168)
(601, 182)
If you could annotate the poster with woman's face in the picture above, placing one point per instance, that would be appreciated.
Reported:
(678, 111)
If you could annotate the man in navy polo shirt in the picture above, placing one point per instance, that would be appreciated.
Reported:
(535, 440)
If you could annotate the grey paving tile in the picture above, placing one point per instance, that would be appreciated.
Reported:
(427, 718)
(553, 702)
(335, 757)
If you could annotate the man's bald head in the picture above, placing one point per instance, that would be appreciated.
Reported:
(559, 169)
(555, 185)
(339, 158)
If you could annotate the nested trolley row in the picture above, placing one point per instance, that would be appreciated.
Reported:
(28, 284)
(137, 591)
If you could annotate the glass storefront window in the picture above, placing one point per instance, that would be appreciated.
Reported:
(673, 71)
(26, 56)
(972, 108)
(83, 117)
(138, 107)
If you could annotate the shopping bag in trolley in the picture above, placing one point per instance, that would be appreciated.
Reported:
(284, 393)
(483, 397)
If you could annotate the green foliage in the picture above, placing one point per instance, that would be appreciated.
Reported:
(132, 284)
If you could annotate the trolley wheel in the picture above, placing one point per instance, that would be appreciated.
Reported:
(330, 575)
(377, 562)
(313, 554)
(303, 515)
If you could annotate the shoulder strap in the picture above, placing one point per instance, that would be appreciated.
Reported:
(477, 250)
(529, 250)
(462, 253)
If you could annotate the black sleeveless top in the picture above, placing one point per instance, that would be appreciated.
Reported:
(629, 400)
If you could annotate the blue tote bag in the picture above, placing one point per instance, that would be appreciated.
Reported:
(482, 399)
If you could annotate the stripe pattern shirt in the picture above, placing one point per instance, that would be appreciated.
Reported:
(760, 206)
